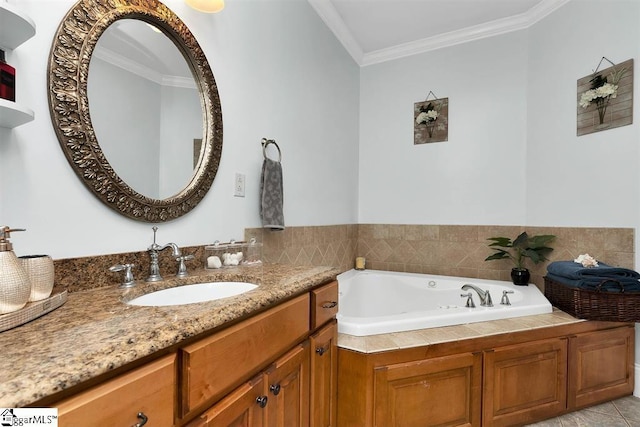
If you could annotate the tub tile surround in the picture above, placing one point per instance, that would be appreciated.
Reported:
(460, 250)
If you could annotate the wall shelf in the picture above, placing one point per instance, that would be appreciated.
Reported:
(16, 27)
(12, 114)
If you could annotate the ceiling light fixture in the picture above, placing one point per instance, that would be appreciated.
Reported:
(207, 6)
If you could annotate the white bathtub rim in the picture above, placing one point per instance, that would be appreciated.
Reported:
(358, 326)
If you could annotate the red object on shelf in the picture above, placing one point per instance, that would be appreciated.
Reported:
(7, 79)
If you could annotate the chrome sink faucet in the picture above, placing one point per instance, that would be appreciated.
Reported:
(154, 250)
(485, 296)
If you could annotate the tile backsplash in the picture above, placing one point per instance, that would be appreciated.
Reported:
(452, 250)
(460, 250)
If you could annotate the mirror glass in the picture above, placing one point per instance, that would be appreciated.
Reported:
(139, 80)
(135, 107)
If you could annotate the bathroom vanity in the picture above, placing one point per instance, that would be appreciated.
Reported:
(267, 357)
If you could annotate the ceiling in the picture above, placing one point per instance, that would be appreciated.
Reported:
(375, 31)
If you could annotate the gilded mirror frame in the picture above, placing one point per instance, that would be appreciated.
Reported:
(68, 72)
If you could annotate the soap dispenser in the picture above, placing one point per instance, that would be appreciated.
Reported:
(15, 287)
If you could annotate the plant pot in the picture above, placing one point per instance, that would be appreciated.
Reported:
(520, 276)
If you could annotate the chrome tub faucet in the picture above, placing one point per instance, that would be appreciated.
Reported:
(485, 296)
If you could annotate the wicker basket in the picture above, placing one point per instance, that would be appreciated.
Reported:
(593, 304)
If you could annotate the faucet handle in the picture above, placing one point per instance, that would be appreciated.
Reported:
(488, 302)
(182, 267)
(129, 281)
(469, 297)
(505, 298)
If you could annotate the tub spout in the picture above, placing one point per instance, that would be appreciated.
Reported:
(485, 296)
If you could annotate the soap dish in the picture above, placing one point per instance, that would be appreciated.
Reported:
(31, 311)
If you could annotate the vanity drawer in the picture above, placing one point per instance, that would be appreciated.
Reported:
(214, 365)
(117, 402)
(324, 304)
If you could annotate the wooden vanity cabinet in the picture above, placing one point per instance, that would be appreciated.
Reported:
(277, 369)
(298, 389)
(277, 397)
(149, 390)
(215, 365)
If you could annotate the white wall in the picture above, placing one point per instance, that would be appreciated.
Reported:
(478, 175)
(591, 180)
(280, 73)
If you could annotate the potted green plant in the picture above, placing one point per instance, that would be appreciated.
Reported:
(524, 246)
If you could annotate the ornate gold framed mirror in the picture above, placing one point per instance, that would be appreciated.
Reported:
(76, 96)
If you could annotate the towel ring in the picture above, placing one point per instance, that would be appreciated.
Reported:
(265, 142)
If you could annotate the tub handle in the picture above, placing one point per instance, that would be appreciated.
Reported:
(329, 304)
(469, 297)
(505, 298)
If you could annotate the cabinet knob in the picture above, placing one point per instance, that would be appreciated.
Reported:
(143, 419)
(275, 389)
(262, 401)
(321, 351)
(329, 304)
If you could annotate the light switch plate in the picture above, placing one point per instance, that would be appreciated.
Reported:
(238, 187)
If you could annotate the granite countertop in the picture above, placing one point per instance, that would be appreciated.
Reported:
(95, 332)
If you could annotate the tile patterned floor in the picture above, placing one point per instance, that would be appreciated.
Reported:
(624, 412)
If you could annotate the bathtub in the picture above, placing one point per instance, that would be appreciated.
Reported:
(377, 302)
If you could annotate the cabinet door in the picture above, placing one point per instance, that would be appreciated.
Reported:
(601, 366)
(216, 365)
(243, 407)
(287, 386)
(117, 402)
(439, 391)
(525, 382)
(324, 376)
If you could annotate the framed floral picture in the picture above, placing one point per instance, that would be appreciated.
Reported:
(605, 98)
(431, 121)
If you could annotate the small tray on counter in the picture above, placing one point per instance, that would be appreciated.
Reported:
(31, 311)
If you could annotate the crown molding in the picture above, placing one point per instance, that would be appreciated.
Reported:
(138, 69)
(332, 19)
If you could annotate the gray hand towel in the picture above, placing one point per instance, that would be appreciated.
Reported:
(271, 195)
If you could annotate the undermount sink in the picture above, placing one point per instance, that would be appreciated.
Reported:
(189, 294)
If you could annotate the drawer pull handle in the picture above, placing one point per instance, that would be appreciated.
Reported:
(329, 304)
(261, 401)
(143, 419)
(321, 350)
(275, 389)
